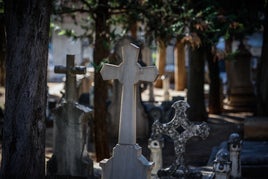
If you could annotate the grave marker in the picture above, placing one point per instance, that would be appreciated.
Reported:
(70, 156)
(180, 139)
(70, 71)
(114, 108)
(127, 160)
(129, 72)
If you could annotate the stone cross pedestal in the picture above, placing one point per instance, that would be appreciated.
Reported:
(127, 160)
(71, 129)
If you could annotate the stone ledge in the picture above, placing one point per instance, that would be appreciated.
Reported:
(256, 128)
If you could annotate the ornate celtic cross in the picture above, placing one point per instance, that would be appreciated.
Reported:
(179, 138)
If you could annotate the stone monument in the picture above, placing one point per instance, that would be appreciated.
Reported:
(70, 157)
(127, 160)
(240, 93)
(114, 108)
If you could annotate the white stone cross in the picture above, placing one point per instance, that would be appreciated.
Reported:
(129, 72)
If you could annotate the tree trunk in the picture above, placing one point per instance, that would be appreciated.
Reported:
(161, 61)
(101, 51)
(228, 50)
(134, 30)
(27, 27)
(195, 94)
(215, 94)
(2, 52)
(180, 70)
(262, 76)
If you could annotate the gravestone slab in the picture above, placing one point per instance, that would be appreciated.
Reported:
(127, 160)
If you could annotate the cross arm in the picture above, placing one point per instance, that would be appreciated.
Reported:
(110, 72)
(79, 70)
(60, 69)
(148, 74)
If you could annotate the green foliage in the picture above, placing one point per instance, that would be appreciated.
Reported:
(1, 7)
(166, 19)
(162, 19)
(97, 67)
(241, 18)
(232, 55)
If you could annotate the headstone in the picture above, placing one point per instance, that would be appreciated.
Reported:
(127, 160)
(180, 130)
(70, 156)
(240, 89)
(114, 108)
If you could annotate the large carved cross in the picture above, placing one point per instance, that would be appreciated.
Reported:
(129, 72)
(70, 70)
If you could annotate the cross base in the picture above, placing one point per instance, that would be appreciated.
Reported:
(189, 172)
(70, 126)
(128, 162)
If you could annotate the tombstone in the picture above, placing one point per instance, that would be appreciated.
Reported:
(114, 108)
(127, 160)
(240, 89)
(70, 157)
(180, 130)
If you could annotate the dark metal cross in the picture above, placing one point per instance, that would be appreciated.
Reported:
(71, 71)
(180, 139)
